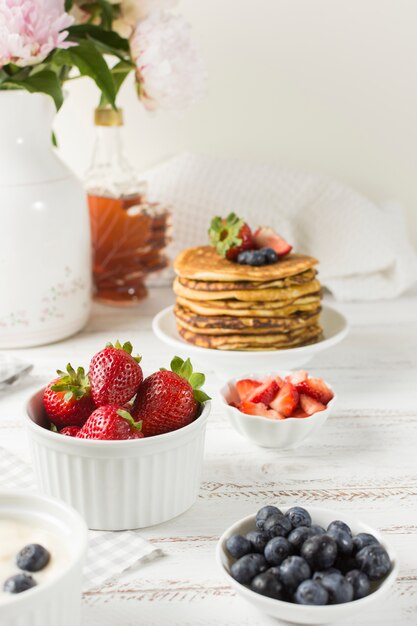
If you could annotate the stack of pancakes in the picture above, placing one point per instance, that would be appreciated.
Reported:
(228, 306)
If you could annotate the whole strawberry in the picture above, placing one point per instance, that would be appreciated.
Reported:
(67, 399)
(70, 431)
(168, 400)
(109, 423)
(230, 236)
(115, 375)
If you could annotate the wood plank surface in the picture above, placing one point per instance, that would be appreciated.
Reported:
(363, 463)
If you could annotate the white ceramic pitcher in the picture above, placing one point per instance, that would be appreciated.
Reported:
(45, 250)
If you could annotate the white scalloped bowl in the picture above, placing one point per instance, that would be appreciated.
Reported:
(268, 433)
(296, 613)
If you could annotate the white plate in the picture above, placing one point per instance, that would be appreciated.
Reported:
(235, 362)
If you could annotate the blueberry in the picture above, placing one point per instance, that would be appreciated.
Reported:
(359, 582)
(247, 567)
(293, 571)
(298, 516)
(316, 530)
(275, 571)
(238, 546)
(374, 561)
(18, 583)
(311, 592)
(345, 563)
(258, 539)
(32, 558)
(319, 551)
(340, 525)
(243, 257)
(362, 540)
(277, 549)
(298, 536)
(257, 258)
(343, 539)
(268, 585)
(339, 589)
(277, 525)
(318, 575)
(270, 255)
(264, 513)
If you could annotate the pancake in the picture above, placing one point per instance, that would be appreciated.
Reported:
(252, 343)
(204, 263)
(202, 285)
(310, 303)
(220, 325)
(250, 295)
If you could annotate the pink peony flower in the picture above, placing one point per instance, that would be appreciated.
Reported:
(31, 29)
(131, 11)
(170, 70)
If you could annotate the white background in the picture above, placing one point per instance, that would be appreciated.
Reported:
(327, 86)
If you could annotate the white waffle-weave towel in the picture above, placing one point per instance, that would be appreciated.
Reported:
(362, 247)
(109, 553)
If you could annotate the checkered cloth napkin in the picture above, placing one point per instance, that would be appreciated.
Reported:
(109, 553)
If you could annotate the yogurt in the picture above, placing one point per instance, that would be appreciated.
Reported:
(14, 535)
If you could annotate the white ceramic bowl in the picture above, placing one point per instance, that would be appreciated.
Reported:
(119, 485)
(228, 363)
(55, 602)
(288, 433)
(296, 613)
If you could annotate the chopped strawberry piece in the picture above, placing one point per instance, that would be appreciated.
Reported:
(260, 409)
(310, 405)
(234, 405)
(286, 401)
(315, 388)
(279, 381)
(296, 377)
(299, 413)
(265, 392)
(246, 386)
(266, 237)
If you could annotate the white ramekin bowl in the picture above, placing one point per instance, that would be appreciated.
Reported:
(268, 433)
(119, 485)
(296, 613)
(55, 602)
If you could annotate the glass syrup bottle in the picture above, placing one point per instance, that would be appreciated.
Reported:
(129, 234)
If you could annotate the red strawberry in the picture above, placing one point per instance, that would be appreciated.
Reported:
(299, 413)
(316, 388)
(245, 386)
(266, 237)
(309, 405)
(296, 377)
(115, 375)
(109, 423)
(70, 431)
(265, 392)
(67, 399)
(230, 236)
(286, 401)
(260, 409)
(168, 400)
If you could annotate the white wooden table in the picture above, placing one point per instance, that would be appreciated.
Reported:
(363, 462)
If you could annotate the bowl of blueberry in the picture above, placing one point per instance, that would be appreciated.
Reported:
(306, 566)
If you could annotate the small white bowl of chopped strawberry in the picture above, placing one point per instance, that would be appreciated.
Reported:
(125, 451)
(279, 410)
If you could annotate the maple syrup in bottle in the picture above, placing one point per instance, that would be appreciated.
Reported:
(129, 234)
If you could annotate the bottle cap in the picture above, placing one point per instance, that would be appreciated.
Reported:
(108, 117)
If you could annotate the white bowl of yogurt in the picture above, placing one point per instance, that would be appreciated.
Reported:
(55, 598)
